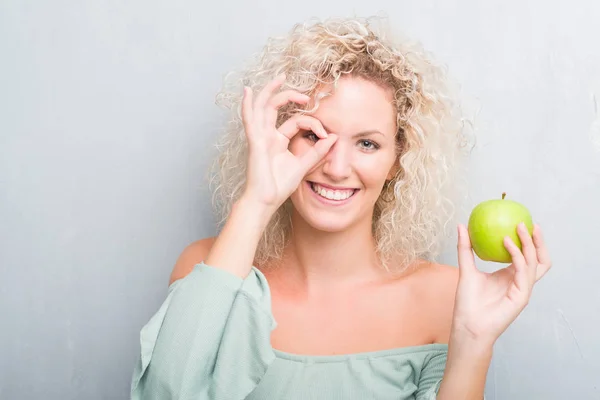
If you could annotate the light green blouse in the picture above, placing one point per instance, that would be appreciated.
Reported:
(210, 339)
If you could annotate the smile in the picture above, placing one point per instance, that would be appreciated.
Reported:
(331, 193)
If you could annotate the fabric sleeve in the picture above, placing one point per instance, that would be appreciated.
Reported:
(431, 375)
(210, 339)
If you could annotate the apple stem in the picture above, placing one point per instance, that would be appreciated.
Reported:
(503, 195)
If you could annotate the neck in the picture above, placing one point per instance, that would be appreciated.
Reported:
(317, 260)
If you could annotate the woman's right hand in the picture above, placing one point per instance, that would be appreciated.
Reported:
(274, 173)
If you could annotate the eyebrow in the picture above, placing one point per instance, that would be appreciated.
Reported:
(361, 133)
(366, 133)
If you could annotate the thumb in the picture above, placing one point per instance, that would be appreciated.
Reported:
(316, 152)
(466, 259)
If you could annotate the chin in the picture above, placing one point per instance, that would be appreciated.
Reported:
(325, 223)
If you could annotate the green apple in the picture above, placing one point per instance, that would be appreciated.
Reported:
(491, 221)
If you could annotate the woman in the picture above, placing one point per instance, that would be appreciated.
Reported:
(333, 183)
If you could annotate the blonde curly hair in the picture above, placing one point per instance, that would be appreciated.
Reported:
(415, 209)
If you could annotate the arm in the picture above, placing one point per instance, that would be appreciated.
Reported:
(241, 232)
(234, 248)
(198, 343)
(466, 370)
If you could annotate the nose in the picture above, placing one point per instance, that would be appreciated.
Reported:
(337, 162)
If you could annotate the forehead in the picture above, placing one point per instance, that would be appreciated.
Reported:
(358, 105)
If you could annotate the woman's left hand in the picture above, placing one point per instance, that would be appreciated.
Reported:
(487, 303)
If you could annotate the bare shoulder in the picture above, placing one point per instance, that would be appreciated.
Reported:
(442, 277)
(438, 284)
(190, 256)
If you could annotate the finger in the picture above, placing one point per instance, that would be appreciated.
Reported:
(521, 278)
(294, 124)
(316, 153)
(264, 96)
(466, 258)
(542, 252)
(279, 100)
(528, 251)
(247, 113)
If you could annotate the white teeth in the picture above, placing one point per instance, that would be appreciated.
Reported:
(332, 194)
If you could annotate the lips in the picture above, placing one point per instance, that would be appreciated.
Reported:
(330, 193)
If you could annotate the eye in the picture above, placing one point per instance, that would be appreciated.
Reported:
(368, 144)
(310, 135)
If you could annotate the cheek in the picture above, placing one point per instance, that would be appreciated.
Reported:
(375, 172)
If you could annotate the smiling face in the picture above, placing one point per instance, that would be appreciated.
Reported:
(341, 191)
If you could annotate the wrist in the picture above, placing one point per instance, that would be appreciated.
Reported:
(464, 334)
(253, 213)
(465, 346)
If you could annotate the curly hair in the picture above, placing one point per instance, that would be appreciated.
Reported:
(414, 210)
